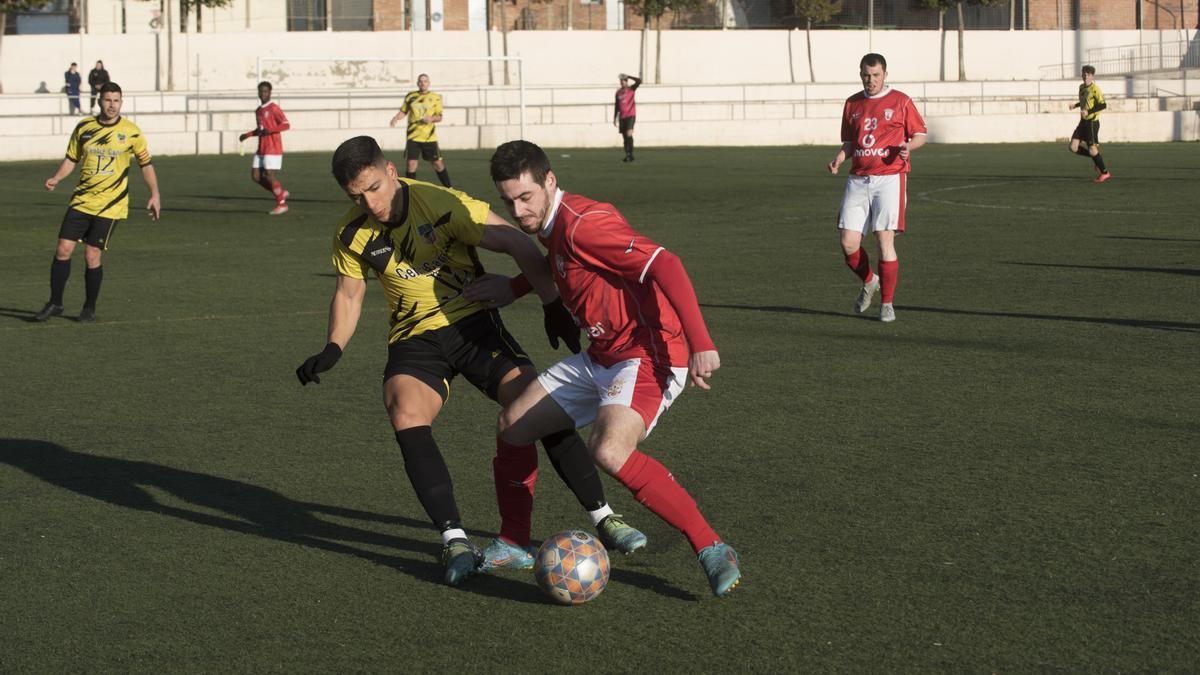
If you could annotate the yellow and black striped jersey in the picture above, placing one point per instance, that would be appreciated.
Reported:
(418, 105)
(423, 261)
(1089, 98)
(102, 152)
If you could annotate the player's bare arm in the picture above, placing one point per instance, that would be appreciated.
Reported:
(64, 170)
(345, 309)
(154, 206)
(501, 237)
(840, 157)
(907, 147)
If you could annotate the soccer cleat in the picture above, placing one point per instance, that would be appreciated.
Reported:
(866, 294)
(1102, 177)
(48, 311)
(87, 314)
(887, 313)
(720, 563)
(279, 210)
(618, 535)
(501, 555)
(461, 559)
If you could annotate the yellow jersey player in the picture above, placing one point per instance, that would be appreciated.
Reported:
(1087, 133)
(102, 146)
(419, 240)
(424, 111)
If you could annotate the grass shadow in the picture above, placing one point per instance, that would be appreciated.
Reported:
(1110, 268)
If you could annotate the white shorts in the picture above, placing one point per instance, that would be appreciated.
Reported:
(874, 203)
(580, 386)
(268, 162)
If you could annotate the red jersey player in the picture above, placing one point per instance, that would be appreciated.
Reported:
(880, 129)
(625, 112)
(636, 303)
(268, 160)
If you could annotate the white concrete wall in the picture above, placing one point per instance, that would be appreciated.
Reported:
(225, 61)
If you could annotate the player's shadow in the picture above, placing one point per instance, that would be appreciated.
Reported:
(1111, 268)
(240, 507)
(19, 314)
(262, 198)
(1133, 238)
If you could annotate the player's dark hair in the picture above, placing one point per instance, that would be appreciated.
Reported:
(1090, 70)
(355, 155)
(264, 83)
(517, 157)
(873, 59)
(109, 87)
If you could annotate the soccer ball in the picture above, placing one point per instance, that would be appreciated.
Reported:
(572, 567)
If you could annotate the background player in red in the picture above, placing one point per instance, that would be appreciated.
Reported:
(637, 305)
(880, 129)
(268, 160)
(625, 112)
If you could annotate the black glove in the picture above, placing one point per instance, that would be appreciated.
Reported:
(307, 372)
(560, 325)
(261, 132)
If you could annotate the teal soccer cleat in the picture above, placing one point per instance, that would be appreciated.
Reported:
(720, 563)
(617, 535)
(461, 559)
(501, 555)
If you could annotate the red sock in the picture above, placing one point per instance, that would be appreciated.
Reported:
(515, 471)
(860, 262)
(277, 190)
(655, 488)
(889, 271)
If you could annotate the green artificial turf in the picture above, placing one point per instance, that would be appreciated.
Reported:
(1003, 480)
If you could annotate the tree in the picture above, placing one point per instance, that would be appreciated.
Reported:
(14, 7)
(941, 6)
(810, 11)
(654, 9)
(504, 32)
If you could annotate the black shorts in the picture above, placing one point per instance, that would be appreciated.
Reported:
(1087, 131)
(477, 346)
(92, 230)
(426, 151)
(626, 124)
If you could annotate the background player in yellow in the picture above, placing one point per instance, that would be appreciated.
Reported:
(102, 146)
(1091, 102)
(424, 111)
(419, 240)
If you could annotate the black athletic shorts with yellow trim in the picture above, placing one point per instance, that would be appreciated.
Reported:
(426, 151)
(1087, 131)
(477, 346)
(626, 124)
(92, 230)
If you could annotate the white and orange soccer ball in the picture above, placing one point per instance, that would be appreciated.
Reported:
(572, 567)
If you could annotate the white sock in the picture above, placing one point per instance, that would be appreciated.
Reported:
(600, 514)
(453, 533)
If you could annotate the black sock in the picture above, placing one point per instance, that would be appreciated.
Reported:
(91, 282)
(1099, 163)
(60, 271)
(444, 176)
(571, 460)
(629, 146)
(429, 476)
(410, 174)
(1082, 151)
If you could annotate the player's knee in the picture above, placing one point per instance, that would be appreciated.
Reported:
(608, 455)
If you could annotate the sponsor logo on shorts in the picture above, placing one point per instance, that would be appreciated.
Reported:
(614, 389)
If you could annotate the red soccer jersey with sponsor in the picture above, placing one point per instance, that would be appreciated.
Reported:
(600, 265)
(271, 119)
(877, 125)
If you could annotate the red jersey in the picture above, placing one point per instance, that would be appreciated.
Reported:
(626, 107)
(600, 265)
(877, 125)
(270, 118)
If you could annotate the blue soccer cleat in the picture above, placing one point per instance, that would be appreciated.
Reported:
(720, 563)
(501, 555)
(461, 559)
(617, 535)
